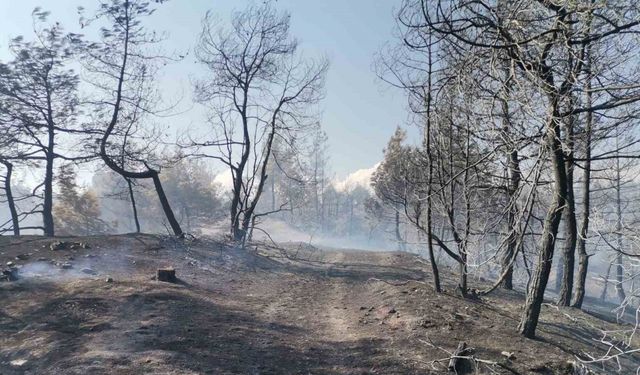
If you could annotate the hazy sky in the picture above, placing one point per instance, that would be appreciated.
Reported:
(359, 113)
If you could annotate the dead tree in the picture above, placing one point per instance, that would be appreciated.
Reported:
(8, 194)
(259, 89)
(547, 44)
(121, 67)
(583, 257)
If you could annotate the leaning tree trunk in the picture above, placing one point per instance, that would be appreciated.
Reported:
(15, 221)
(115, 118)
(166, 207)
(134, 208)
(540, 278)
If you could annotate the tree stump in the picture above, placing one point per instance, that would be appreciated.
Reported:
(455, 361)
(167, 275)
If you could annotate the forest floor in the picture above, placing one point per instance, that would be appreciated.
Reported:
(298, 310)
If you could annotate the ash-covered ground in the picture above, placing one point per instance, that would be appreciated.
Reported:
(92, 306)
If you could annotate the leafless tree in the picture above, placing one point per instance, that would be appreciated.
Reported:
(121, 69)
(259, 89)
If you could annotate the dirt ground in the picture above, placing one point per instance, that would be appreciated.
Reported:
(297, 310)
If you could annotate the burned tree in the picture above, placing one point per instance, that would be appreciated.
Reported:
(547, 44)
(39, 92)
(259, 89)
(121, 68)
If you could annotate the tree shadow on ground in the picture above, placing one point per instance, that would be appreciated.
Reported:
(171, 329)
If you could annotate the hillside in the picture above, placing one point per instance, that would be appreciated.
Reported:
(299, 310)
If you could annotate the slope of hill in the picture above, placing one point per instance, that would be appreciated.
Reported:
(266, 310)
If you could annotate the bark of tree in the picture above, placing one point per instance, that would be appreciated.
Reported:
(134, 208)
(513, 173)
(429, 216)
(540, 278)
(583, 258)
(15, 221)
(47, 205)
(570, 227)
(248, 214)
(512, 220)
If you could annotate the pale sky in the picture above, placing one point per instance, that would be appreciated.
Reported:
(360, 113)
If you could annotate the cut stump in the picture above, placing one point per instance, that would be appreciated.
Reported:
(167, 275)
(455, 361)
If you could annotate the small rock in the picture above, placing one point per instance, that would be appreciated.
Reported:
(427, 324)
(9, 264)
(109, 280)
(509, 355)
(42, 259)
(55, 246)
(18, 362)
(66, 266)
(22, 256)
(9, 274)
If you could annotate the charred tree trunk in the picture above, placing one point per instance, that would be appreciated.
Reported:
(47, 205)
(15, 221)
(571, 231)
(512, 220)
(620, 279)
(166, 207)
(513, 173)
(583, 258)
(429, 216)
(248, 214)
(540, 278)
(134, 208)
